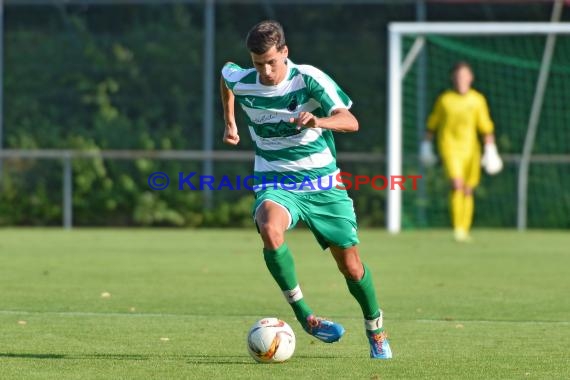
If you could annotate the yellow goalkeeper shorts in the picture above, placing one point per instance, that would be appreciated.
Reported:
(464, 167)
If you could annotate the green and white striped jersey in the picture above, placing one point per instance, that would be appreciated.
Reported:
(283, 154)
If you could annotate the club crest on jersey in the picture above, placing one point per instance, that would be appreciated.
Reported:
(293, 105)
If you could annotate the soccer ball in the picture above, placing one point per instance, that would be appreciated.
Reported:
(271, 340)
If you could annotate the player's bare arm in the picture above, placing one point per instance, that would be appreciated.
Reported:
(231, 136)
(489, 138)
(341, 120)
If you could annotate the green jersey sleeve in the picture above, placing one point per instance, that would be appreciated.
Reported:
(324, 90)
(232, 74)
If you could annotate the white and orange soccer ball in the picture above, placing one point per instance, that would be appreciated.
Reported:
(271, 340)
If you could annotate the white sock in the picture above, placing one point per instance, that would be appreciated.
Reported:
(374, 324)
(293, 295)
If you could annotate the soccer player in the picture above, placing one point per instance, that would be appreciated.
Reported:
(292, 111)
(457, 117)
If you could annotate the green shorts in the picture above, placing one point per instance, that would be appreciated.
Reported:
(328, 214)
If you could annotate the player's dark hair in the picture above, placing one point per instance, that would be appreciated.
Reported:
(460, 65)
(264, 35)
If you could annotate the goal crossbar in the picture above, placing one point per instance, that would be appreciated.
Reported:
(478, 28)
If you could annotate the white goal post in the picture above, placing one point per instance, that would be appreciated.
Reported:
(398, 68)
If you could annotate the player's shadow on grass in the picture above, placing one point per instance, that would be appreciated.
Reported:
(74, 357)
(31, 356)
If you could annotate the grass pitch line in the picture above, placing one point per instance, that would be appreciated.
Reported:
(170, 315)
(491, 321)
(95, 314)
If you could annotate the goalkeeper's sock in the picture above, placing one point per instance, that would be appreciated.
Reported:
(282, 267)
(365, 294)
(456, 205)
(468, 208)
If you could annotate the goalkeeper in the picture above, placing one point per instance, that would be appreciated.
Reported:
(457, 117)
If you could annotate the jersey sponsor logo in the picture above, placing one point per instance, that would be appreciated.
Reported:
(266, 118)
(280, 129)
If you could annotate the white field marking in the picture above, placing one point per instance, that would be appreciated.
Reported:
(96, 314)
(171, 315)
(487, 321)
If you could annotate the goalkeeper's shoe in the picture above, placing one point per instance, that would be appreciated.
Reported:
(462, 236)
(323, 329)
(379, 345)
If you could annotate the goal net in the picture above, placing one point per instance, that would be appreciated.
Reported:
(507, 60)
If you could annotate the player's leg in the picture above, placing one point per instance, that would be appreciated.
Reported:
(272, 220)
(472, 179)
(457, 208)
(468, 208)
(361, 286)
(455, 171)
(332, 219)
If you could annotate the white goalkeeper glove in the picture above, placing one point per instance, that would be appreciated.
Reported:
(491, 160)
(427, 157)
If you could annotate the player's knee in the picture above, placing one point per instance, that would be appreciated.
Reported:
(352, 270)
(272, 235)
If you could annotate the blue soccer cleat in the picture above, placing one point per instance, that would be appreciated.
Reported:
(379, 345)
(323, 329)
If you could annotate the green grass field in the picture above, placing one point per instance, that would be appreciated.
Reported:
(181, 303)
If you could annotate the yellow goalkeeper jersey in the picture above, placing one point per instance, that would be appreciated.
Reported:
(457, 118)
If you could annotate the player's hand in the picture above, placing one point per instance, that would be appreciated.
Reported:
(306, 120)
(491, 161)
(427, 156)
(231, 136)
